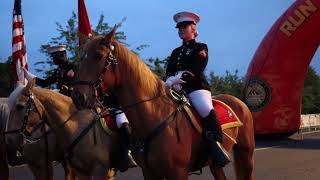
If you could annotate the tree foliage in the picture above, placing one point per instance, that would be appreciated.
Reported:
(311, 93)
(68, 35)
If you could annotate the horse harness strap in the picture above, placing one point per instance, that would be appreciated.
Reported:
(142, 144)
(192, 119)
(125, 108)
(69, 148)
(182, 99)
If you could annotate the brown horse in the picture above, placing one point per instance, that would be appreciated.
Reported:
(174, 151)
(95, 151)
(4, 112)
(40, 166)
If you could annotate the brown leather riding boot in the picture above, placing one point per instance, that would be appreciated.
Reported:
(127, 160)
(212, 134)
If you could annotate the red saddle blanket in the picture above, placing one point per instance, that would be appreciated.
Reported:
(108, 123)
(225, 115)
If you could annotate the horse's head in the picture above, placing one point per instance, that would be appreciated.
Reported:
(97, 68)
(25, 112)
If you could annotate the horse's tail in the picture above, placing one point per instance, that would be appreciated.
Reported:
(244, 149)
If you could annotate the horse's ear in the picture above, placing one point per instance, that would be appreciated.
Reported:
(83, 38)
(110, 36)
(28, 89)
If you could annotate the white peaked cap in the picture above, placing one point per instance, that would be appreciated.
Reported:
(186, 16)
(57, 48)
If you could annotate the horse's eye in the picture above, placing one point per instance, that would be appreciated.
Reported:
(19, 107)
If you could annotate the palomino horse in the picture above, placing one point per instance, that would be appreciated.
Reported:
(168, 151)
(4, 112)
(40, 163)
(94, 153)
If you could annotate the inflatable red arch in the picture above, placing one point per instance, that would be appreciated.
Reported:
(275, 77)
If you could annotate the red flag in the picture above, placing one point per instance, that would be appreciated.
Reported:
(85, 31)
(19, 53)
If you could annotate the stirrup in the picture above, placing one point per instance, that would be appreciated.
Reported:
(131, 162)
(127, 162)
(223, 159)
(224, 151)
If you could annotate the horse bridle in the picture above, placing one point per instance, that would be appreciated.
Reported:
(110, 59)
(31, 107)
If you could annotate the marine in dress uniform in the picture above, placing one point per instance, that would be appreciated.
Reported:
(62, 76)
(185, 71)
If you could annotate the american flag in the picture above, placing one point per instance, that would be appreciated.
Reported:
(19, 53)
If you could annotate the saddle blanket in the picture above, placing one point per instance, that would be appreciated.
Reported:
(225, 115)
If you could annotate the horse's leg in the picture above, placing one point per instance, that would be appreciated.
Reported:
(179, 174)
(243, 154)
(41, 169)
(243, 150)
(105, 176)
(68, 171)
(243, 157)
(149, 176)
(218, 174)
(84, 177)
(48, 173)
(4, 168)
(35, 171)
(40, 174)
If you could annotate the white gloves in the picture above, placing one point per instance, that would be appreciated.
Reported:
(28, 75)
(177, 87)
(175, 81)
(70, 73)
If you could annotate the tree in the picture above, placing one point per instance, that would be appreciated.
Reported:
(226, 84)
(158, 66)
(6, 85)
(68, 35)
(311, 93)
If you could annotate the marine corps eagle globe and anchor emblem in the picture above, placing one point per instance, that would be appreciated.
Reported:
(257, 94)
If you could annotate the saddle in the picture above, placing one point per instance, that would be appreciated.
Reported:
(227, 117)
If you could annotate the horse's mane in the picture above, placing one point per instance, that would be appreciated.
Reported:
(136, 69)
(14, 95)
(49, 95)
